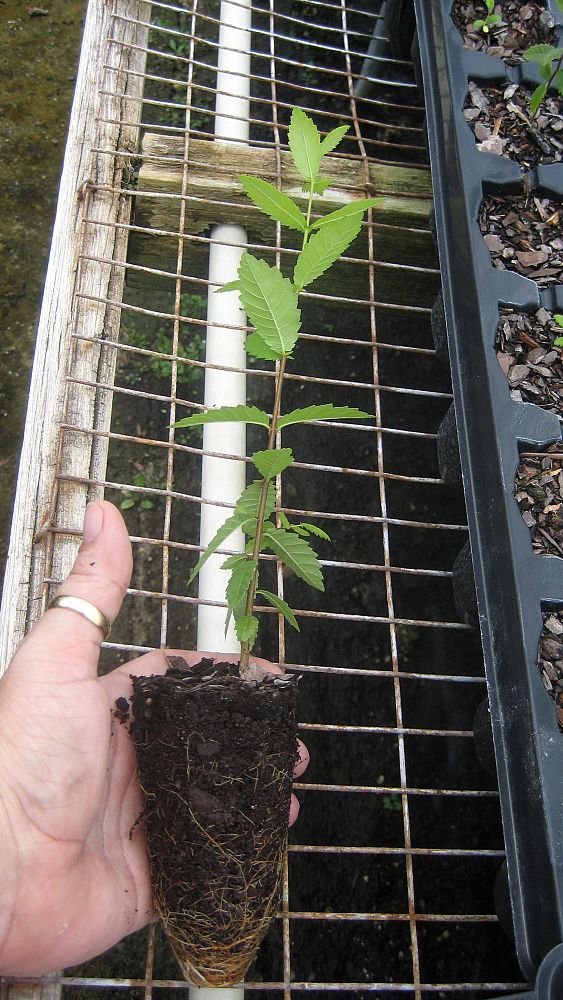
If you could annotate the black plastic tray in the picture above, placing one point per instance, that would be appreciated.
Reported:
(513, 584)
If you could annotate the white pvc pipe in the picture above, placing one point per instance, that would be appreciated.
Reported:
(224, 479)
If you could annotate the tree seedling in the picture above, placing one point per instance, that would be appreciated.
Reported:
(271, 302)
(216, 743)
(549, 61)
(485, 24)
(558, 317)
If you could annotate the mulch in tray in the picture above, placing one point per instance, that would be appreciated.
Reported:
(532, 365)
(539, 494)
(501, 122)
(522, 25)
(550, 656)
(525, 234)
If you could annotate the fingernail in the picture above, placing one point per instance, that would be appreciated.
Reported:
(93, 520)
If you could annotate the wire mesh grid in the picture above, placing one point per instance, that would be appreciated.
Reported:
(389, 878)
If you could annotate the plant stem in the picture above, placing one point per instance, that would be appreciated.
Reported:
(272, 430)
(250, 597)
(558, 65)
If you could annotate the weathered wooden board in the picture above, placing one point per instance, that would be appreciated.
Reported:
(73, 302)
(214, 195)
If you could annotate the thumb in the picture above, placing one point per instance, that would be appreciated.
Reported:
(100, 575)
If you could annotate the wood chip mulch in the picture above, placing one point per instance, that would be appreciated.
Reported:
(525, 234)
(532, 365)
(539, 494)
(501, 122)
(522, 25)
(550, 656)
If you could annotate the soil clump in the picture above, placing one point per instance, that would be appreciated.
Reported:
(215, 754)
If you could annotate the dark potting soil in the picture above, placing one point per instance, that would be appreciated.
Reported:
(522, 25)
(551, 657)
(215, 755)
(528, 358)
(501, 122)
(525, 234)
(539, 493)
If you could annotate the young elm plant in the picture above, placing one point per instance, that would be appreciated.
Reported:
(485, 24)
(271, 302)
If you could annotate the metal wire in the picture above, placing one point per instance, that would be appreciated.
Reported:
(404, 693)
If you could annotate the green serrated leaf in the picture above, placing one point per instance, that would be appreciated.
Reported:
(233, 522)
(541, 53)
(232, 561)
(282, 606)
(324, 248)
(283, 520)
(320, 185)
(558, 81)
(478, 24)
(249, 500)
(146, 504)
(494, 19)
(226, 415)
(236, 612)
(558, 317)
(239, 583)
(127, 503)
(558, 341)
(305, 144)
(302, 532)
(270, 302)
(259, 348)
(537, 97)
(271, 463)
(322, 411)
(230, 286)
(332, 140)
(354, 208)
(295, 553)
(275, 204)
(247, 629)
(313, 529)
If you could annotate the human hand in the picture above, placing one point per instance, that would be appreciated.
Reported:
(74, 876)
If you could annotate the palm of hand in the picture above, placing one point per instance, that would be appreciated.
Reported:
(74, 800)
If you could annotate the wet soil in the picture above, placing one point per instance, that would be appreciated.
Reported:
(38, 59)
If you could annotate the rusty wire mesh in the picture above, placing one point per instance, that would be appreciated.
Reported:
(390, 871)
